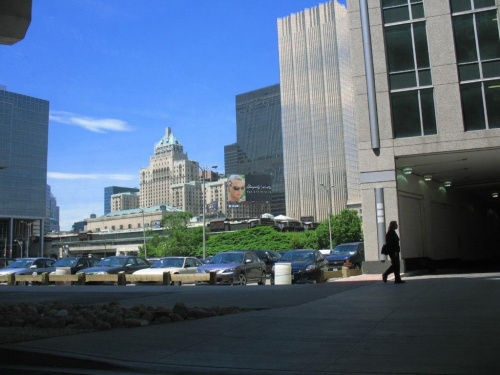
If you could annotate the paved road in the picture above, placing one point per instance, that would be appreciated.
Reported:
(441, 324)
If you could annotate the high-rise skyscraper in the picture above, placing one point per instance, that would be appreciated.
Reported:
(168, 166)
(259, 147)
(24, 129)
(319, 140)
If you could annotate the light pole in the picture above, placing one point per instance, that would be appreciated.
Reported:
(29, 237)
(144, 234)
(203, 173)
(329, 190)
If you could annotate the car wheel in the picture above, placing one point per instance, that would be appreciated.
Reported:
(263, 279)
(242, 279)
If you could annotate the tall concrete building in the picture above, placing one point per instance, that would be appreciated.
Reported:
(124, 201)
(427, 94)
(24, 128)
(168, 166)
(319, 140)
(111, 190)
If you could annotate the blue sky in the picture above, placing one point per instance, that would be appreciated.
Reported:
(118, 72)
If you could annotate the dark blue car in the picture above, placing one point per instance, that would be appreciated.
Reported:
(307, 265)
(346, 255)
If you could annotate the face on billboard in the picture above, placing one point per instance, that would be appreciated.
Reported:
(236, 188)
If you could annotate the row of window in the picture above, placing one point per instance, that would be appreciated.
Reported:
(477, 45)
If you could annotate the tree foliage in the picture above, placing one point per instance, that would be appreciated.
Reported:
(178, 239)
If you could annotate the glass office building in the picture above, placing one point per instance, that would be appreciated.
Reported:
(24, 125)
(259, 147)
(319, 140)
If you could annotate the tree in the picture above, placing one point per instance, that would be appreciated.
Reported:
(177, 238)
(346, 227)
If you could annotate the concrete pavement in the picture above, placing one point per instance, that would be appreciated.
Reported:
(440, 324)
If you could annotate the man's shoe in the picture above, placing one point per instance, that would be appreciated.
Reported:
(384, 278)
(399, 282)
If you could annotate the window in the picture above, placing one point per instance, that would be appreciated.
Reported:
(410, 80)
(477, 45)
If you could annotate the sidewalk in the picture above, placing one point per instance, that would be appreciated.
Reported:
(440, 324)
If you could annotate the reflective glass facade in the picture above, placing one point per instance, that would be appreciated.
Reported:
(319, 140)
(259, 140)
(24, 125)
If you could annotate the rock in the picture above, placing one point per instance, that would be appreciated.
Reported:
(180, 309)
(198, 313)
(176, 317)
(132, 322)
(62, 313)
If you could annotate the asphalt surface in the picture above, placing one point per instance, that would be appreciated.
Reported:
(432, 324)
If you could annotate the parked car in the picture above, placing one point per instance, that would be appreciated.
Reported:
(114, 264)
(174, 265)
(346, 255)
(269, 257)
(236, 267)
(306, 264)
(29, 266)
(75, 263)
(4, 262)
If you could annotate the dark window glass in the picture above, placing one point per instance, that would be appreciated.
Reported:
(403, 80)
(417, 11)
(391, 3)
(491, 69)
(483, 3)
(428, 114)
(468, 72)
(421, 45)
(492, 94)
(465, 42)
(396, 14)
(399, 48)
(487, 34)
(460, 5)
(424, 78)
(472, 106)
(405, 114)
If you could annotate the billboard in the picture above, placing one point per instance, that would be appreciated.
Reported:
(249, 188)
(236, 188)
(258, 187)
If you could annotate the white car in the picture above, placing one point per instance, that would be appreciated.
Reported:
(174, 265)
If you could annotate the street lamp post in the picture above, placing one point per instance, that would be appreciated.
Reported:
(144, 235)
(203, 173)
(329, 190)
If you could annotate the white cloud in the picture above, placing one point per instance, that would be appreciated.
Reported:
(94, 125)
(91, 176)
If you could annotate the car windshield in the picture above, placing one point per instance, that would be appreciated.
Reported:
(21, 263)
(227, 258)
(297, 255)
(112, 262)
(345, 249)
(168, 262)
(66, 262)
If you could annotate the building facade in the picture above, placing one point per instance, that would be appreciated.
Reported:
(319, 140)
(427, 94)
(52, 217)
(24, 124)
(168, 166)
(124, 201)
(259, 147)
(110, 190)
